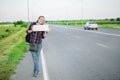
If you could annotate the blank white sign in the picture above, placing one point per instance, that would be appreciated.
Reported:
(40, 28)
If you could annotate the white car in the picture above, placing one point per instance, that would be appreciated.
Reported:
(90, 25)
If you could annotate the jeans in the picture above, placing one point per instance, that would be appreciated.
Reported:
(36, 58)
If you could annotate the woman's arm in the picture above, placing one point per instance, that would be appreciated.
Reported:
(49, 29)
(30, 28)
(46, 32)
(29, 31)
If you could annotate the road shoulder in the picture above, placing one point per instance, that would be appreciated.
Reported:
(24, 69)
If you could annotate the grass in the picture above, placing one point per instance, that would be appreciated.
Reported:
(113, 26)
(12, 49)
(101, 23)
(8, 66)
(7, 30)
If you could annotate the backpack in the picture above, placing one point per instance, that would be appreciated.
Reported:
(27, 37)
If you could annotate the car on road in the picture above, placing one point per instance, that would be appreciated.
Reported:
(91, 25)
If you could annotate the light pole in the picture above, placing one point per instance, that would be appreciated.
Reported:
(82, 6)
(28, 11)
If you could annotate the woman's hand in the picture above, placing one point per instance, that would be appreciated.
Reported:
(45, 34)
(30, 31)
(49, 29)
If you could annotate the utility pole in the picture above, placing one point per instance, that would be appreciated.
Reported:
(28, 11)
(82, 6)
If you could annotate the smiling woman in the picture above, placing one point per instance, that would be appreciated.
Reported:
(35, 43)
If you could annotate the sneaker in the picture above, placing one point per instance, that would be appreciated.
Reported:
(39, 74)
(35, 75)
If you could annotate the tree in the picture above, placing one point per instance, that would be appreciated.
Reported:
(112, 19)
(21, 23)
(118, 19)
(14, 24)
(18, 23)
(106, 19)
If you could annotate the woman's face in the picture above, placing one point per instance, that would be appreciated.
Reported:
(41, 20)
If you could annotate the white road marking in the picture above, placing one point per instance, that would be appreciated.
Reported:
(102, 45)
(44, 67)
(93, 31)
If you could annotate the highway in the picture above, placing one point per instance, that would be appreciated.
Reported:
(72, 53)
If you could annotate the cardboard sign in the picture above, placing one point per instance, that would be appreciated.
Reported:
(41, 28)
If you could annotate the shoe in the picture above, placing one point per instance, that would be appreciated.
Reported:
(35, 75)
(39, 74)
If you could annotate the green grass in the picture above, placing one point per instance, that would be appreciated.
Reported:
(113, 26)
(7, 67)
(12, 49)
(101, 23)
(7, 30)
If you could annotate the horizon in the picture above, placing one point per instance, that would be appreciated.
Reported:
(58, 10)
(61, 20)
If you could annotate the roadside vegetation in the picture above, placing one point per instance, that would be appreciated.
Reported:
(102, 23)
(12, 48)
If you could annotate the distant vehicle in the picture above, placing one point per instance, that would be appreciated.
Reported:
(90, 25)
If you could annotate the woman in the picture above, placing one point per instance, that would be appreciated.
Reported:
(36, 38)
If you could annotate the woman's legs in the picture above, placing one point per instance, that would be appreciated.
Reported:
(36, 56)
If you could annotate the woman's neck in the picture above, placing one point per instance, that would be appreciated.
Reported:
(39, 24)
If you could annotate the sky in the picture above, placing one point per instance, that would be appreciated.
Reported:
(14, 10)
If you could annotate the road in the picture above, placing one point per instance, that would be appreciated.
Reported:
(72, 53)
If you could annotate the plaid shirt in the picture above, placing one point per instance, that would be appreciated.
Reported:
(35, 37)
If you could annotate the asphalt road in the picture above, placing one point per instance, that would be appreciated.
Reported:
(72, 53)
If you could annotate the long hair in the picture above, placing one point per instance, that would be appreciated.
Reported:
(39, 18)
